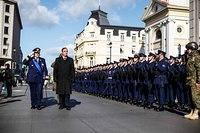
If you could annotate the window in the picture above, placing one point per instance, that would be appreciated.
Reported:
(6, 30)
(6, 19)
(122, 37)
(121, 51)
(7, 8)
(158, 35)
(5, 52)
(108, 36)
(133, 52)
(107, 60)
(5, 41)
(134, 37)
(14, 65)
(92, 34)
(133, 49)
(156, 8)
(91, 61)
(143, 37)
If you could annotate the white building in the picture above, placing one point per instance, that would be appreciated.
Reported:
(195, 20)
(101, 43)
(167, 26)
(10, 29)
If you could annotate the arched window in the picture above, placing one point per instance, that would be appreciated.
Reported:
(158, 34)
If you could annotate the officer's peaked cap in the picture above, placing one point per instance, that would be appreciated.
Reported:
(136, 56)
(142, 55)
(172, 57)
(161, 52)
(36, 49)
(152, 54)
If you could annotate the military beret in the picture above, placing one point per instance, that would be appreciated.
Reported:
(161, 52)
(142, 55)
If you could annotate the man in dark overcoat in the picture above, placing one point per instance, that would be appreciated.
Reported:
(63, 76)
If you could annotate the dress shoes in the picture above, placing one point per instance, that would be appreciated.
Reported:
(68, 108)
(61, 107)
(33, 107)
(39, 108)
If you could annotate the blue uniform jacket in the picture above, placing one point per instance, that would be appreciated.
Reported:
(34, 75)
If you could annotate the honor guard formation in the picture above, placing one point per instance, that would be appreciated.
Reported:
(156, 83)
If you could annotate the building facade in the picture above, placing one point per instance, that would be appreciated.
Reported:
(101, 43)
(195, 20)
(167, 26)
(10, 31)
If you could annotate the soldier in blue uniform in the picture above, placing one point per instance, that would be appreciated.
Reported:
(45, 70)
(37, 72)
(134, 68)
(151, 77)
(142, 80)
(171, 91)
(160, 81)
(182, 96)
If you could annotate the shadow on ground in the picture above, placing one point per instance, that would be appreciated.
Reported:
(49, 101)
(10, 101)
(74, 102)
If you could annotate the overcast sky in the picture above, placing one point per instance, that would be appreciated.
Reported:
(53, 24)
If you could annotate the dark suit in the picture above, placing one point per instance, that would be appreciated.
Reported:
(35, 78)
(63, 75)
(8, 79)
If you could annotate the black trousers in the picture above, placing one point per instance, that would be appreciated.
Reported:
(64, 100)
(9, 89)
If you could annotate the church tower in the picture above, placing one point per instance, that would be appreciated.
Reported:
(167, 26)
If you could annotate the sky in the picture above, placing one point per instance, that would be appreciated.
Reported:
(53, 24)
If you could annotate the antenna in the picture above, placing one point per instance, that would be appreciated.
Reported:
(99, 4)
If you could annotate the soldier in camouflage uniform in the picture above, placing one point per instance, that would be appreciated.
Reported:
(193, 79)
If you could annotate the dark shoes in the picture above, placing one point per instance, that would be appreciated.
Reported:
(61, 107)
(160, 108)
(68, 108)
(33, 107)
(36, 107)
(39, 108)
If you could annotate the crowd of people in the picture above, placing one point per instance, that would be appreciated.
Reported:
(156, 82)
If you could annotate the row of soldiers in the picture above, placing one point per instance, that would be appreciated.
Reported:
(153, 82)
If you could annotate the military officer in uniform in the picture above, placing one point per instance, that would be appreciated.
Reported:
(45, 70)
(151, 76)
(193, 79)
(160, 81)
(35, 77)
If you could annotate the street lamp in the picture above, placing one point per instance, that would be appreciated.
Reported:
(110, 44)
